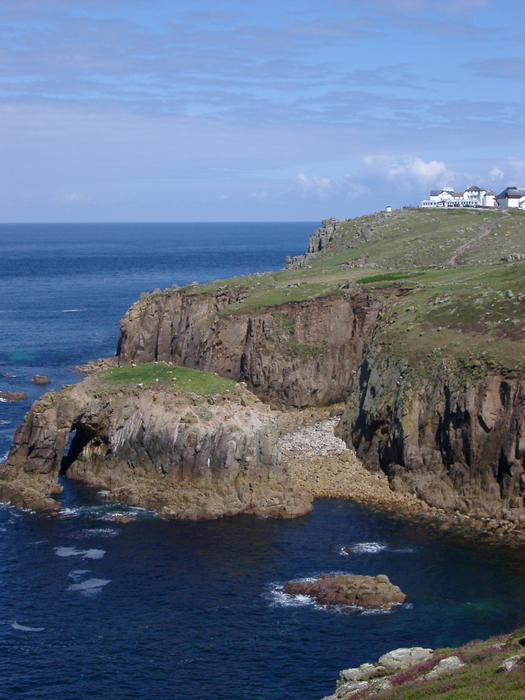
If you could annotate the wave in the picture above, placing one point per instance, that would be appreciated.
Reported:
(89, 587)
(362, 548)
(3, 400)
(278, 598)
(24, 628)
(5, 422)
(77, 574)
(70, 311)
(83, 553)
(108, 511)
(98, 532)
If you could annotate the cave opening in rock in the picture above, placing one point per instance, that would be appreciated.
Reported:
(79, 437)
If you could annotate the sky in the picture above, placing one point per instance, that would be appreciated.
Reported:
(267, 110)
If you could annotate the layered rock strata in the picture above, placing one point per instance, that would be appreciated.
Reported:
(300, 354)
(184, 455)
(349, 590)
(455, 442)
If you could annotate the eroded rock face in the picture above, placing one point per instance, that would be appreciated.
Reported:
(184, 455)
(302, 353)
(350, 590)
(456, 445)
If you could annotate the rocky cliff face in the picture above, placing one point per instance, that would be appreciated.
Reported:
(318, 241)
(457, 443)
(302, 353)
(184, 455)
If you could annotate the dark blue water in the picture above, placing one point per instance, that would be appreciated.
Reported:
(93, 607)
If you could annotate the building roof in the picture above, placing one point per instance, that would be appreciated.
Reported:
(473, 188)
(512, 193)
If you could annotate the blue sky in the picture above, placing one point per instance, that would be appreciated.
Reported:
(168, 110)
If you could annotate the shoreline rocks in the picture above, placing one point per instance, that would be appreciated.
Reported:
(13, 395)
(183, 455)
(350, 590)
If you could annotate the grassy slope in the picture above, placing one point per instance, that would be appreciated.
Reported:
(452, 295)
(479, 677)
(182, 378)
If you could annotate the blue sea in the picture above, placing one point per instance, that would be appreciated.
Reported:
(91, 607)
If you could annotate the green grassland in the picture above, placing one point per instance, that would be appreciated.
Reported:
(451, 292)
(180, 378)
(479, 678)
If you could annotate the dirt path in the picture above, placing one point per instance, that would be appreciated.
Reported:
(462, 248)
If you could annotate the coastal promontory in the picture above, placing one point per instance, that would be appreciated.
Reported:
(185, 443)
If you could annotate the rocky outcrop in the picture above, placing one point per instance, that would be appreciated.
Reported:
(302, 353)
(319, 241)
(13, 395)
(477, 669)
(41, 379)
(186, 456)
(349, 590)
(456, 442)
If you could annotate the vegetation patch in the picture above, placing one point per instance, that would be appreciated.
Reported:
(181, 378)
(303, 350)
(478, 679)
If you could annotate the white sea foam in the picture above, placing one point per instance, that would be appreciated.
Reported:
(71, 311)
(363, 548)
(25, 628)
(3, 458)
(3, 400)
(77, 574)
(89, 587)
(83, 553)
(5, 422)
(278, 598)
(98, 532)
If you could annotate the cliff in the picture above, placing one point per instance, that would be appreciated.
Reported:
(453, 440)
(182, 454)
(415, 319)
(300, 354)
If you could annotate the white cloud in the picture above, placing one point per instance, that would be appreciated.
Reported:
(496, 173)
(313, 183)
(410, 167)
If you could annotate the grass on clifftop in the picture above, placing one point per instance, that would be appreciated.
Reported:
(479, 679)
(181, 378)
(454, 281)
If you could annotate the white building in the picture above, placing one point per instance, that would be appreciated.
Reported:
(472, 197)
(512, 197)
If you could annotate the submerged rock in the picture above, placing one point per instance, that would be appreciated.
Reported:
(350, 590)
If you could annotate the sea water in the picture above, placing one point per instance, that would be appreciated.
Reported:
(91, 606)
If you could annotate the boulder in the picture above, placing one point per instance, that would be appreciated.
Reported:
(41, 379)
(511, 663)
(399, 659)
(13, 395)
(350, 590)
(451, 663)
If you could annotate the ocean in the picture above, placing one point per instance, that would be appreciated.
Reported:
(94, 607)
